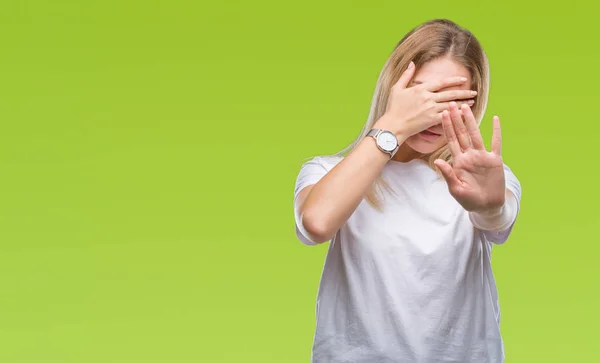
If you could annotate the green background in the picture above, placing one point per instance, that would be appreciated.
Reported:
(149, 149)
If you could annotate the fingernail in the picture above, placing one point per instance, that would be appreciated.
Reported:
(473, 93)
(411, 64)
(464, 79)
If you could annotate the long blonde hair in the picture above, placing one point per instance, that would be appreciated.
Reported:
(431, 40)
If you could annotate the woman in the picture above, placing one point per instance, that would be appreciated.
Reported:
(412, 209)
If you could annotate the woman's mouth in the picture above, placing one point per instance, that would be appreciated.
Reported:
(428, 135)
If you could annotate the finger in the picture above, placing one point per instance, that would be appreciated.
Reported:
(497, 137)
(472, 128)
(444, 83)
(447, 172)
(441, 106)
(406, 76)
(452, 95)
(459, 127)
(450, 135)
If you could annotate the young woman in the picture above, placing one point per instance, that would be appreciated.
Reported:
(412, 209)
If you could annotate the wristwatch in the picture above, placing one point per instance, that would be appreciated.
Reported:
(386, 141)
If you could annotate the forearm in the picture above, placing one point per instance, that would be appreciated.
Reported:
(335, 197)
(497, 220)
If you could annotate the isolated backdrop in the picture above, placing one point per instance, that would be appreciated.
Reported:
(148, 153)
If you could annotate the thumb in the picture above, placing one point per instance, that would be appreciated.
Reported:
(406, 76)
(447, 172)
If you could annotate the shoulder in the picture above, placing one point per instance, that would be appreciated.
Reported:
(314, 169)
(324, 162)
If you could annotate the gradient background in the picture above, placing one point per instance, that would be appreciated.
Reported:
(148, 154)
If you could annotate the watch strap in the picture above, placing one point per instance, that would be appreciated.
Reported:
(374, 132)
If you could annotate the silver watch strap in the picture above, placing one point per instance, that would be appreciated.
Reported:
(374, 132)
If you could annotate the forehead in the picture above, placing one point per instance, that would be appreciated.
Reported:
(440, 68)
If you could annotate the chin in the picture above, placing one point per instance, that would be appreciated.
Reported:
(424, 146)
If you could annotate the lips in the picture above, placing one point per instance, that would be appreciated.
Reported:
(433, 132)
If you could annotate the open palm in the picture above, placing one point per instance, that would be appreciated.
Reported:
(476, 177)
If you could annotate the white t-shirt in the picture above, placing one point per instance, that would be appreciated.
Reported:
(413, 283)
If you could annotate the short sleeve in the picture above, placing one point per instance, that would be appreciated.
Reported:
(512, 184)
(310, 173)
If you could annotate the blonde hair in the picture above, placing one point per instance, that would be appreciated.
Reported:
(431, 40)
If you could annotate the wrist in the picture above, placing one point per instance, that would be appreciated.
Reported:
(389, 124)
(496, 218)
(491, 212)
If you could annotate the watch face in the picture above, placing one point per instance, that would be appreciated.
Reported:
(387, 141)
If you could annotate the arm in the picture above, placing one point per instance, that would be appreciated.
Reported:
(325, 206)
(478, 179)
